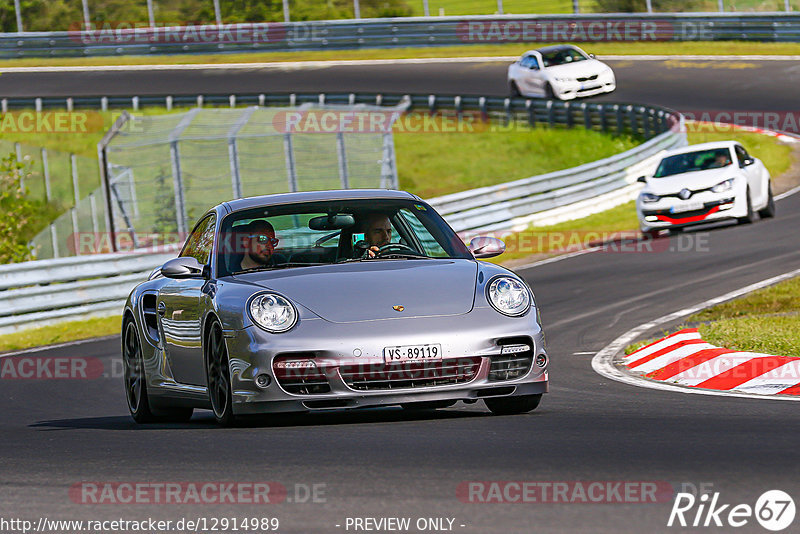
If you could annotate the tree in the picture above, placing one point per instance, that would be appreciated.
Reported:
(18, 212)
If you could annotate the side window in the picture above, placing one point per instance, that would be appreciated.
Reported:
(430, 246)
(199, 244)
(528, 62)
(534, 62)
(741, 154)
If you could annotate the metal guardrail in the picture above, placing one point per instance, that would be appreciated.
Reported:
(45, 291)
(37, 293)
(508, 205)
(404, 32)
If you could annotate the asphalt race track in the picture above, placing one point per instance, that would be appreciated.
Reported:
(680, 84)
(389, 463)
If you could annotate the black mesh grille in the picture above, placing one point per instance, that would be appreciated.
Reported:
(514, 365)
(410, 374)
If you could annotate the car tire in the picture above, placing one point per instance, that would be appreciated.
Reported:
(751, 215)
(427, 405)
(548, 91)
(769, 211)
(514, 90)
(135, 378)
(513, 405)
(218, 376)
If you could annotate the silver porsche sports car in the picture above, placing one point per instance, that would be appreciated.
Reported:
(326, 300)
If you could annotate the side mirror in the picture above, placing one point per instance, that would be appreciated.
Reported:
(642, 179)
(748, 162)
(592, 56)
(486, 247)
(184, 267)
(534, 66)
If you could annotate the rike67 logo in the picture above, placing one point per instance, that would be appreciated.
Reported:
(774, 510)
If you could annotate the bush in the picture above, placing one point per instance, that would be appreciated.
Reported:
(19, 213)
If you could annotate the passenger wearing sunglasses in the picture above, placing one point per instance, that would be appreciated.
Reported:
(259, 245)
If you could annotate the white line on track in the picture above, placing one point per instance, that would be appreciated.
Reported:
(58, 346)
(603, 364)
(295, 65)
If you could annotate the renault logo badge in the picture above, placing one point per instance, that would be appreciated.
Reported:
(398, 308)
(685, 194)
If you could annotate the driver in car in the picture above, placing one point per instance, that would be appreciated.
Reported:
(377, 233)
(259, 244)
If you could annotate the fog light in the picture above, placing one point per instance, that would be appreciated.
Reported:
(263, 380)
(724, 207)
(541, 360)
(651, 218)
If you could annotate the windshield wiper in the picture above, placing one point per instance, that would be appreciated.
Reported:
(275, 267)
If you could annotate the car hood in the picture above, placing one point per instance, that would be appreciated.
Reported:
(694, 181)
(579, 68)
(368, 290)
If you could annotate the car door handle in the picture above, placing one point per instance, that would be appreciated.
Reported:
(162, 309)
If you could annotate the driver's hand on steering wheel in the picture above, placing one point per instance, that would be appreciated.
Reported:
(372, 251)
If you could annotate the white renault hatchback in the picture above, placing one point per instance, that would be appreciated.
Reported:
(563, 71)
(704, 183)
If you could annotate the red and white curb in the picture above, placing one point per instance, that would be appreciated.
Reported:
(683, 358)
(609, 361)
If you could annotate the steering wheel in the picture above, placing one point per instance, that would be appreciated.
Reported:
(396, 247)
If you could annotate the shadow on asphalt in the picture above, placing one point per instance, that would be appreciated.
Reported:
(204, 419)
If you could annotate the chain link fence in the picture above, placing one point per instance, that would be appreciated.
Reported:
(164, 171)
(33, 16)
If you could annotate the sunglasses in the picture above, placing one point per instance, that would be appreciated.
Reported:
(264, 239)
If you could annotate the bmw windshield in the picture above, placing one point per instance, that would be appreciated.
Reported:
(322, 233)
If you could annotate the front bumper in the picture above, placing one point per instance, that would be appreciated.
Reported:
(575, 89)
(665, 216)
(476, 336)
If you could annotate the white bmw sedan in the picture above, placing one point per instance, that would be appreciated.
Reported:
(563, 71)
(704, 183)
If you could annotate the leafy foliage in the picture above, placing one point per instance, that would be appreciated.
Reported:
(52, 15)
(18, 212)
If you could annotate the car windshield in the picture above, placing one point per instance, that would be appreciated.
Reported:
(693, 161)
(562, 56)
(327, 232)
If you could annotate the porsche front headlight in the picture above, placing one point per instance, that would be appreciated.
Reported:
(509, 296)
(724, 186)
(273, 312)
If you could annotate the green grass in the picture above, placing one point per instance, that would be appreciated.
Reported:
(777, 156)
(434, 164)
(781, 298)
(765, 321)
(60, 333)
(582, 232)
(756, 333)
(489, 7)
(676, 48)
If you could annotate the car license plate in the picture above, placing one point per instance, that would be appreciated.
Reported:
(412, 353)
(687, 206)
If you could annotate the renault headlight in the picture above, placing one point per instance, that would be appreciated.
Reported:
(564, 79)
(272, 312)
(724, 186)
(509, 296)
(650, 197)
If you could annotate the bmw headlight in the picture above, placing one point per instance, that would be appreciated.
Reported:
(650, 197)
(724, 186)
(272, 312)
(509, 296)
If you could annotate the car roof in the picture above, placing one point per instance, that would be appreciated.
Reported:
(314, 196)
(702, 146)
(552, 48)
